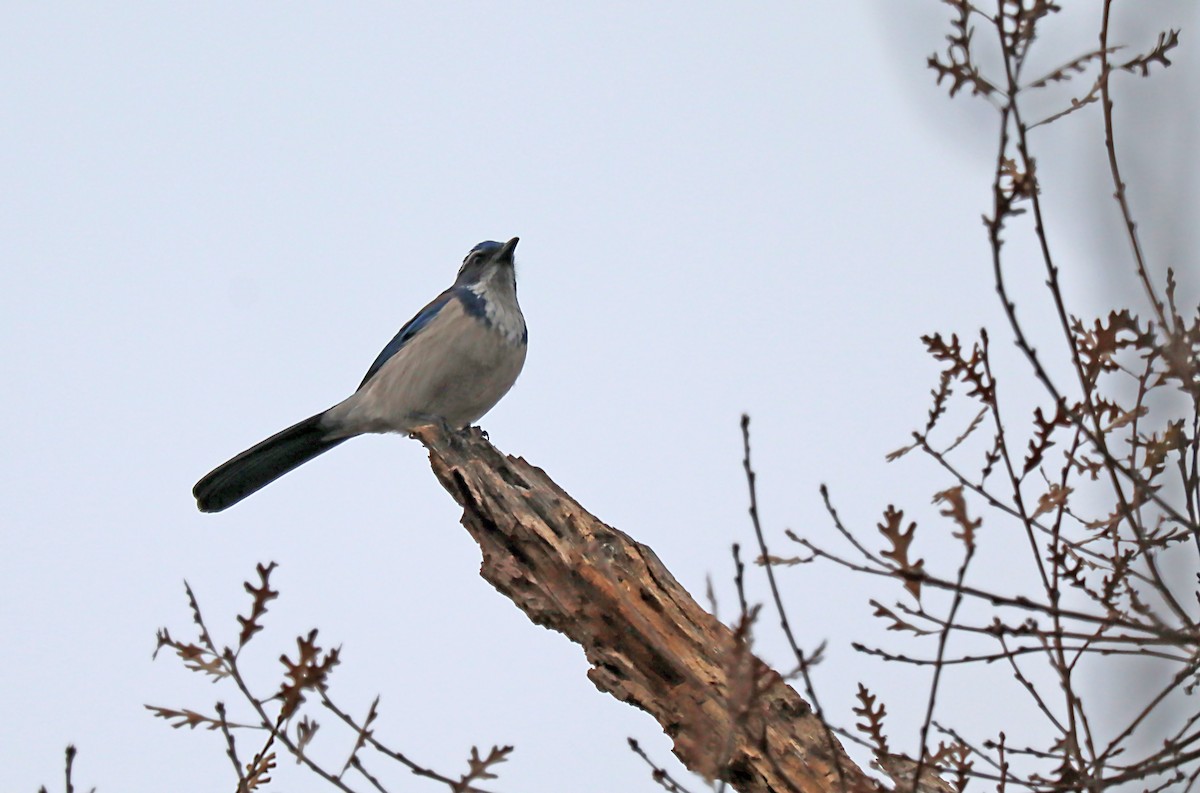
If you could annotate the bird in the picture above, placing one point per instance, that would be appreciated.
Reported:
(448, 365)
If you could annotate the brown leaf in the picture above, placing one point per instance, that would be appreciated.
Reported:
(1018, 184)
(940, 395)
(1098, 347)
(1167, 41)
(956, 756)
(1043, 430)
(195, 657)
(901, 768)
(1085, 465)
(872, 727)
(481, 767)
(1071, 68)
(959, 66)
(956, 509)
(309, 672)
(1158, 447)
(779, 561)
(968, 370)
(306, 730)
(184, 718)
(897, 624)
(991, 458)
(257, 772)
(1128, 417)
(1054, 498)
(892, 456)
(262, 594)
(900, 540)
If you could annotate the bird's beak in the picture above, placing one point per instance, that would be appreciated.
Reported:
(506, 253)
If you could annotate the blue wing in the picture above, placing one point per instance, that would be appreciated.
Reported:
(410, 329)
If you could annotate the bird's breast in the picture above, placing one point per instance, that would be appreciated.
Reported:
(456, 369)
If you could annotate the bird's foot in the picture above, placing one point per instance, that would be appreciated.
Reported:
(451, 434)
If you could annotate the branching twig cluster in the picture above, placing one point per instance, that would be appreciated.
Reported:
(282, 717)
(1124, 434)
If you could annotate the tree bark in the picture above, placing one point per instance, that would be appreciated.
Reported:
(648, 642)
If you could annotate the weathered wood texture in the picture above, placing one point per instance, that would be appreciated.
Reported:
(648, 641)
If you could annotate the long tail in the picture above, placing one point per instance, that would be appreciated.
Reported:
(262, 464)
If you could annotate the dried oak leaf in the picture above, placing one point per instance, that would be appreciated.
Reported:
(1181, 354)
(1099, 345)
(1052, 499)
(1167, 41)
(901, 768)
(959, 67)
(956, 509)
(897, 624)
(185, 718)
(1020, 184)
(194, 656)
(257, 771)
(940, 395)
(900, 540)
(1127, 418)
(1158, 447)
(1025, 16)
(1071, 68)
(873, 716)
(306, 730)
(309, 672)
(261, 594)
(481, 767)
(969, 370)
(1042, 435)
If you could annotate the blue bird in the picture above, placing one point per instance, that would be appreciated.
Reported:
(449, 365)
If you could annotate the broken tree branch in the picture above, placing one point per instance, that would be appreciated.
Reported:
(648, 642)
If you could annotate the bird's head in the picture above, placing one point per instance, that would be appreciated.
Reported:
(488, 263)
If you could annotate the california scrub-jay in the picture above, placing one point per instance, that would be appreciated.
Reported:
(448, 365)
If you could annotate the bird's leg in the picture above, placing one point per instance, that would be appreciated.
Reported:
(428, 419)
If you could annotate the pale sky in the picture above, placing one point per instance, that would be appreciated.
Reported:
(215, 215)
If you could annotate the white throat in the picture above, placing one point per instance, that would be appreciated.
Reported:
(498, 290)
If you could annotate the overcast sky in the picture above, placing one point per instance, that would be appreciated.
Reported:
(215, 214)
